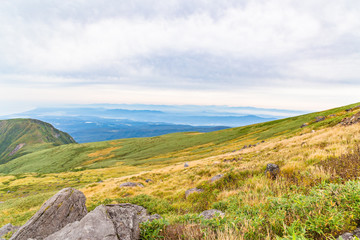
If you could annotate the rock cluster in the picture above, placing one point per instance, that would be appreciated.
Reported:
(65, 217)
(233, 160)
(351, 120)
(110, 222)
(352, 109)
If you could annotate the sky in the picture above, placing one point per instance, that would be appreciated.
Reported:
(284, 54)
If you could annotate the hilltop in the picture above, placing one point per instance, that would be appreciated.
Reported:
(19, 137)
(315, 197)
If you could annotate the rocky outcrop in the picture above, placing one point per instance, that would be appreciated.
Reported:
(351, 120)
(8, 228)
(131, 184)
(186, 165)
(272, 170)
(64, 217)
(320, 118)
(212, 213)
(192, 190)
(110, 222)
(65, 207)
(353, 108)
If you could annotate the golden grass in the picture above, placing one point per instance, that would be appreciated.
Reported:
(171, 180)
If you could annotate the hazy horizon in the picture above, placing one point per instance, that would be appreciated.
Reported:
(267, 54)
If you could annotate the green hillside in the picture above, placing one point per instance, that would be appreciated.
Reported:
(19, 137)
(170, 148)
(315, 195)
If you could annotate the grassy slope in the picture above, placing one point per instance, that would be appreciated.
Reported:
(256, 207)
(35, 134)
(164, 149)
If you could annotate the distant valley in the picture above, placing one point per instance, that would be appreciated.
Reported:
(93, 123)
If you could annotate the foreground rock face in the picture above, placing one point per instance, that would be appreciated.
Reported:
(209, 214)
(110, 222)
(65, 207)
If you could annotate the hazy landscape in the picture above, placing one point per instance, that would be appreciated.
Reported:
(179, 120)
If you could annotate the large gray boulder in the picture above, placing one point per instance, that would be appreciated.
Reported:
(110, 222)
(65, 207)
(7, 228)
(212, 213)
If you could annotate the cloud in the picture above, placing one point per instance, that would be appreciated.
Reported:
(264, 48)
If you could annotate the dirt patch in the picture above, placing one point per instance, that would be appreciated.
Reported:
(16, 149)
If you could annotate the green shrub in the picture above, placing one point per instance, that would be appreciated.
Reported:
(152, 230)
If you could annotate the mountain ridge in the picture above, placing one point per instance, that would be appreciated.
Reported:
(21, 136)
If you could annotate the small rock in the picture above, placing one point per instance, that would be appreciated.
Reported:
(192, 190)
(262, 141)
(350, 236)
(304, 125)
(273, 170)
(212, 213)
(148, 180)
(186, 165)
(313, 131)
(153, 217)
(100, 181)
(131, 184)
(217, 177)
(8, 228)
(319, 118)
(215, 163)
(346, 236)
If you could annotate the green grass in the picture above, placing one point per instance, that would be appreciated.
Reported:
(325, 211)
(35, 134)
(298, 205)
(166, 149)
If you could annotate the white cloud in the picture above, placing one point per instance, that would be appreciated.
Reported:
(244, 49)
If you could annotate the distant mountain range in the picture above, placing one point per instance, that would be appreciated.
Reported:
(93, 123)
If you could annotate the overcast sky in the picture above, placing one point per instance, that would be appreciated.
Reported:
(301, 55)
